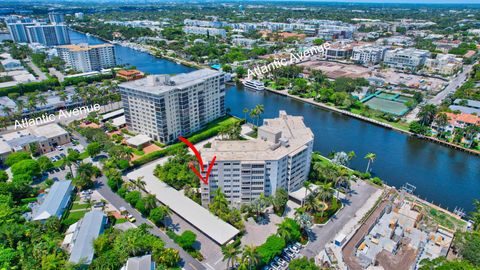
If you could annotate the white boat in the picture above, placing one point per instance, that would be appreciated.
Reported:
(253, 84)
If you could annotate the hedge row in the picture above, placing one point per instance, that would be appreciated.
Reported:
(51, 83)
(89, 79)
(210, 131)
(24, 88)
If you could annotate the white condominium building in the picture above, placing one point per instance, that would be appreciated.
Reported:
(200, 23)
(165, 107)
(205, 31)
(406, 58)
(86, 58)
(368, 55)
(278, 158)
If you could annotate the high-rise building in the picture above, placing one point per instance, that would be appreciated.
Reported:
(18, 30)
(48, 34)
(278, 158)
(56, 17)
(165, 107)
(86, 58)
(27, 30)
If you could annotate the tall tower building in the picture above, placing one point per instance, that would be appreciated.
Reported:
(165, 107)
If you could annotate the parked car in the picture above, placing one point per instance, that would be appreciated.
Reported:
(275, 265)
(60, 148)
(298, 245)
(286, 257)
(131, 218)
(289, 253)
(280, 261)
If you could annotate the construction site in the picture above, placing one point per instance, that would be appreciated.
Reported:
(398, 233)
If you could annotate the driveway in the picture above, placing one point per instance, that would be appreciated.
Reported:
(188, 262)
(321, 235)
(210, 250)
(40, 74)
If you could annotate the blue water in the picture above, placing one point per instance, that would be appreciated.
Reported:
(445, 176)
(142, 61)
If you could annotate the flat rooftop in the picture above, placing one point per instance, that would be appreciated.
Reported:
(84, 47)
(212, 226)
(292, 128)
(48, 131)
(158, 84)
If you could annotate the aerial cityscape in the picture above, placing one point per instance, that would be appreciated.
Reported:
(221, 135)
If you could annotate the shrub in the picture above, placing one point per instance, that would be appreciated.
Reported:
(133, 197)
(17, 157)
(271, 248)
(377, 181)
(140, 206)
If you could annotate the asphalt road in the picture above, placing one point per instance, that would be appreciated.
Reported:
(321, 235)
(452, 86)
(188, 261)
(449, 89)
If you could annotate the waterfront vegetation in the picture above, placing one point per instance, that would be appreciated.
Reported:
(430, 115)
(340, 93)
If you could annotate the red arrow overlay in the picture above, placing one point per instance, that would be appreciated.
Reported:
(200, 161)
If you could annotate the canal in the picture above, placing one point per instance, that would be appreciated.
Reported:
(445, 176)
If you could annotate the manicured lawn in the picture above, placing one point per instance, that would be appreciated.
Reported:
(121, 220)
(76, 206)
(138, 152)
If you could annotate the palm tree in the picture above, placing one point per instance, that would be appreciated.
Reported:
(7, 111)
(250, 257)
(307, 186)
(371, 157)
(311, 204)
(441, 121)
(325, 193)
(253, 114)
(42, 100)
(245, 111)
(230, 254)
(150, 201)
(427, 114)
(20, 105)
(139, 183)
(260, 109)
(283, 231)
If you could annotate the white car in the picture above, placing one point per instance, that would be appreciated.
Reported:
(280, 261)
(290, 253)
(298, 245)
(275, 265)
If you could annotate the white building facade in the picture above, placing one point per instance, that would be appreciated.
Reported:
(404, 59)
(278, 158)
(205, 31)
(368, 55)
(87, 58)
(164, 107)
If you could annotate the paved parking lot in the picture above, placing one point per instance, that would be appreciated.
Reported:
(256, 234)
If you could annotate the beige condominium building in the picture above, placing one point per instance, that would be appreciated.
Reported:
(44, 138)
(278, 158)
(164, 107)
(87, 58)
